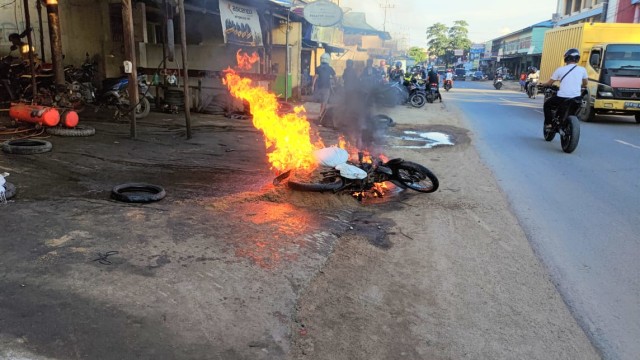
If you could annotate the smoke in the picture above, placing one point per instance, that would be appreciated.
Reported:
(353, 113)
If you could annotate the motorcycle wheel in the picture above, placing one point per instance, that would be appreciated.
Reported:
(430, 98)
(417, 100)
(327, 184)
(415, 177)
(569, 140)
(498, 86)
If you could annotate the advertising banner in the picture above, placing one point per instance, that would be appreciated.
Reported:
(240, 24)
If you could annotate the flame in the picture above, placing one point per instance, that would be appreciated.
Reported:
(287, 137)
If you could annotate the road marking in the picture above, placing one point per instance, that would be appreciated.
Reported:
(541, 112)
(626, 143)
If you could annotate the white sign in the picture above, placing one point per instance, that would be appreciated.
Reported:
(458, 52)
(240, 24)
(322, 13)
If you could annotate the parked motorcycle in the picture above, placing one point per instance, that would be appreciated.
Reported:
(113, 92)
(417, 93)
(339, 174)
(497, 82)
(564, 120)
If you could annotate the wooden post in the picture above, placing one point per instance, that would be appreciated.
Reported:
(130, 55)
(39, 7)
(27, 20)
(56, 40)
(185, 68)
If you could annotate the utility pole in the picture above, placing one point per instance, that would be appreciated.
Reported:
(386, 6)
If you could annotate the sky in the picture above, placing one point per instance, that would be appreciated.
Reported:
(487, 19)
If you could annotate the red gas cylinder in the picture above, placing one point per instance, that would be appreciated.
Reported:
(70, 118)
(36, 114)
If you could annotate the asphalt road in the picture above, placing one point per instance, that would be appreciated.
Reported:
(580, 211)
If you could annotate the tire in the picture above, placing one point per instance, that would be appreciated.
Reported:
(417, 100)
(143, 108)
(138, 193)
(569, 140)
(638, 118)
(9, 190)
(587, 113)
(383, 120)
(26, 146)
(430, 98)
(498, 86)
(77, 131)
(548, 134)
(336, 184)
(415, 177)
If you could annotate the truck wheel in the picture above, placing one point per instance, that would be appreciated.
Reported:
(587, 113)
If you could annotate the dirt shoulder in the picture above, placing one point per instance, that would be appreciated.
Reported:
(455, 279)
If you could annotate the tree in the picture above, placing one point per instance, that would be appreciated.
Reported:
(438, 40)
(443, 41)
(418, 54)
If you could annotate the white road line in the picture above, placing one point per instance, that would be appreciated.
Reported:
(541, 112)
(626, 143)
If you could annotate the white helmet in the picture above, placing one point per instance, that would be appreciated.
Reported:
(325, 58)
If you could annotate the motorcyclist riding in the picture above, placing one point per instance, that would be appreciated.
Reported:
(533, 76)
(449, 77)
(434, 78)
(572, 79)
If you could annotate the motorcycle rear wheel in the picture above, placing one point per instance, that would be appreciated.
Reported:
(415, 177)
(569, 140)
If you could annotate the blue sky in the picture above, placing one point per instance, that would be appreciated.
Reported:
(487, 19)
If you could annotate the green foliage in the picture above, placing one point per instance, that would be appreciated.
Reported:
(418, 54)
(443, 40)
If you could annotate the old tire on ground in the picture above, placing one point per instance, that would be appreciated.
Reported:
(9, 190)
(415, 177)
(336, 184)
(143, 108)
(77, 131)
(383, 120)
(26, 146)
(138, 193)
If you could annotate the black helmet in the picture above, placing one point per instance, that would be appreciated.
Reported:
(572, 55)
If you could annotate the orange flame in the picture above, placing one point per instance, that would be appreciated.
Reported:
(287, 137)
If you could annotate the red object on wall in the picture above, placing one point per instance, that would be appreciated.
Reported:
(35, 114)
(70, 119)
(627, 11)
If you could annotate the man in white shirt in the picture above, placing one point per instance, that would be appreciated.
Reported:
(572, 79)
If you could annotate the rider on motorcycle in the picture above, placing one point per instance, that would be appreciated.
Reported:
(397, 74)
(572, 79)
(533, 77)
(448, 77)
(434, 78)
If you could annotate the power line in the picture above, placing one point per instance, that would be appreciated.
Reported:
(386, 6)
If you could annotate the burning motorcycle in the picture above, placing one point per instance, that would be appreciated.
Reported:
(564, 120)
(339, 174)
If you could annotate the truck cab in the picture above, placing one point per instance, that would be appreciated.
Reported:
(614, 81)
